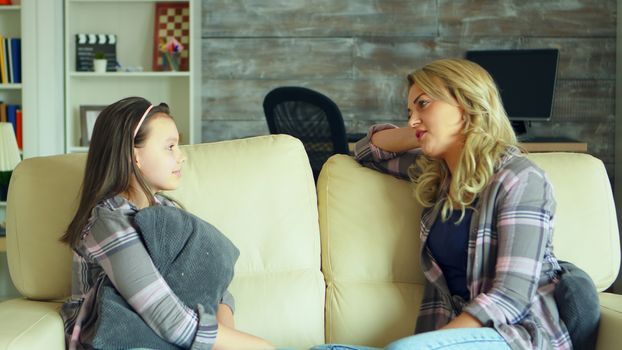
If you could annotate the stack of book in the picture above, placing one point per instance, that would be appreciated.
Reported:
(12, 113)
(10, 60)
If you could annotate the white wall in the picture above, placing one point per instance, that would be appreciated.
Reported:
(42, 71)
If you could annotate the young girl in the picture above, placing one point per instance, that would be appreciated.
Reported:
(487, 223)
(133, 155)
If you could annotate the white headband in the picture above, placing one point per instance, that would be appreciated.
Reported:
(142, 119)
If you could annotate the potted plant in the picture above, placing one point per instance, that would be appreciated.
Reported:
(99, 62)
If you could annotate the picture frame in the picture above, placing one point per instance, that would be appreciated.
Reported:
(88, 116)
(172, 19)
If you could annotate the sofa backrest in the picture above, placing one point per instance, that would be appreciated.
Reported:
(259, 192)
(369, 226)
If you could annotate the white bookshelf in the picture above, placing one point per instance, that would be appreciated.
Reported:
(133, 23)
(10, 26)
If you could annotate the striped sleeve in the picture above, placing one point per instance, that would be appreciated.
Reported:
(373, 157)
(524, 227)
(116, 246)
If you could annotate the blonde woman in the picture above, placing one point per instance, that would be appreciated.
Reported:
(487, 225)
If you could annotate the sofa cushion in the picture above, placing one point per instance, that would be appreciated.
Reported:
(586, 226)
(369, 225)
(259, 192)
(43, 197)
(370, 241)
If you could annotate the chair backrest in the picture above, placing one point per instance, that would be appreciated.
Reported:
(274, 224)
(369, 226)
(309, 116)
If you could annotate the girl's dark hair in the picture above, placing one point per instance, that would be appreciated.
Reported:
(110, 161)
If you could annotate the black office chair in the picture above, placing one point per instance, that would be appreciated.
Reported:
(309, 116)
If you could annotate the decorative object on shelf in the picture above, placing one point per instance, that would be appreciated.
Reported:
(172, 22)
(89, 44)
(131, 69)
(171, 54)
(12, 113)
(88, 116)
(9, 157)
(99, 62)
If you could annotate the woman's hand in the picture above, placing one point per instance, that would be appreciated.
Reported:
(224, 316)
(464, 320)
(396, 140)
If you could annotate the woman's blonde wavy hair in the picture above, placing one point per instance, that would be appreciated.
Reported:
(487, 134)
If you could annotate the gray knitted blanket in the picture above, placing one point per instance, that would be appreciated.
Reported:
(195, 259)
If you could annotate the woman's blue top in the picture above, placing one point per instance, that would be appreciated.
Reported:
(448, 243)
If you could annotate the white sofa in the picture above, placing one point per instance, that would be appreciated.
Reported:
(361, 287)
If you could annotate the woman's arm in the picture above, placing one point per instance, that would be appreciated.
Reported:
(396, 140)
(388, 149)
(464, 320)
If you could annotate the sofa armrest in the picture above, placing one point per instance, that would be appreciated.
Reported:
(26, 324)
(609, 335)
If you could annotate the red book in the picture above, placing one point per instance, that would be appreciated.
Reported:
(18, 128)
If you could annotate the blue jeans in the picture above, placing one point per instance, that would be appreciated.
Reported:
(484, 338)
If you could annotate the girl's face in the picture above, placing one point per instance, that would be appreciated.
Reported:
(160, 158)
(438, 124)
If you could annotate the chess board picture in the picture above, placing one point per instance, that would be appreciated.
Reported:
(172, 20)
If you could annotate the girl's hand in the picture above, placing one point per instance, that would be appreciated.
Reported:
(224, 316)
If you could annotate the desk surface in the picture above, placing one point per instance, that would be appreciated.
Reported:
(579, 147)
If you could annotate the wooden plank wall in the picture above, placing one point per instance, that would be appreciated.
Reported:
(358, 53)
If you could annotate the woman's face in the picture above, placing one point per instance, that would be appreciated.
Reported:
(438, 125)
(160, 158)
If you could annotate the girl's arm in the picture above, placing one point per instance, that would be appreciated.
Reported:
(224, 316)
(388, 149)
(229, 338)
(115, 245)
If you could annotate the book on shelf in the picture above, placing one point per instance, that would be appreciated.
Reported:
(16, 57)
(12, 113)
(3, 77)
(18, 129)
(7, 55)
(10, 60)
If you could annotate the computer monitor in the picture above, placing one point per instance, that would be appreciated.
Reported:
(525, 78)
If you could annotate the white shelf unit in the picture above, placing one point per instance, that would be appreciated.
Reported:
(133, 23)
(11, 27)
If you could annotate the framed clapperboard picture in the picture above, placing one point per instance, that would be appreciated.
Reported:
(87, 45)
